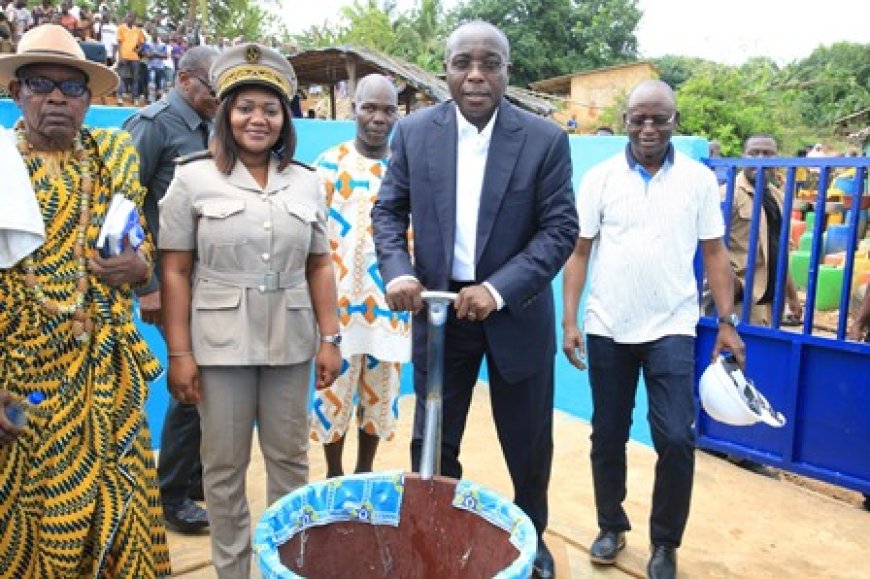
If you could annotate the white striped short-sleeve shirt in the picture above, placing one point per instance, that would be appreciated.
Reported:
(645, 232)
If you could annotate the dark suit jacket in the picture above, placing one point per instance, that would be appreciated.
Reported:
(526, 229)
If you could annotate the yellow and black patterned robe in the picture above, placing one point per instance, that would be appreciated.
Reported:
(78, 494)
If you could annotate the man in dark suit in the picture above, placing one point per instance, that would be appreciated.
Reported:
(488, 189)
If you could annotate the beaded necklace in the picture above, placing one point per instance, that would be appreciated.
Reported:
(82, 325)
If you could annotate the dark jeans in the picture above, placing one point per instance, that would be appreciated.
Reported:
(130, 72)
(522, 412)
(179, 467)
(668, 366)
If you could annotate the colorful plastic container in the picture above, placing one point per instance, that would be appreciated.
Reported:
(828, 288)
(860, 269)
(835, 259)
(799, 267)
(798, 228)
(837, 238)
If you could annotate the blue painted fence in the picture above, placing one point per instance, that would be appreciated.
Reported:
(820, 383)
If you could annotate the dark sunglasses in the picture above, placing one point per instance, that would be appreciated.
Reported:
(45, 85)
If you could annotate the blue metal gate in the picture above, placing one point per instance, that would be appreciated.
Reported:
(820, 382)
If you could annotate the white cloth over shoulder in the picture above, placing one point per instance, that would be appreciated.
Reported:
(22, 230)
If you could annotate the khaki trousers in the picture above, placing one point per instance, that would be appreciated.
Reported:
(234, 399)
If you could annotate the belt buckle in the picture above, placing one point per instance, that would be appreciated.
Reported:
(271, 282)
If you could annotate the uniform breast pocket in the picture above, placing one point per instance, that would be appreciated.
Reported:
(216, 319)
(220, 224)
(744, 210)
(301, 220)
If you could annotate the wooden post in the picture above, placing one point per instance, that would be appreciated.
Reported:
(410, 95)
(332, 101)
(350, 67)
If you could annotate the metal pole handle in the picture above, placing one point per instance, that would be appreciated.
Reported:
(439, 304)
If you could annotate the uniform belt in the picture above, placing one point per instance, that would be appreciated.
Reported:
(266, 281)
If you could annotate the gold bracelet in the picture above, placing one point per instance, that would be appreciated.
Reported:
(178, 354)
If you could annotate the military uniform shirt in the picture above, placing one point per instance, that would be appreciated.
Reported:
(240, 232)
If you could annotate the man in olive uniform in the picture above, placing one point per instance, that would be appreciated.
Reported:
(178, 124)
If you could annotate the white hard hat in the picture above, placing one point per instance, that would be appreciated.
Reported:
(729, 397)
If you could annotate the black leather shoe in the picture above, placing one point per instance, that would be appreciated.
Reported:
(544, 567)
(663, 563)
(187, 518)
(606, 546)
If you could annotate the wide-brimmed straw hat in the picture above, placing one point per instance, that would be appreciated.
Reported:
(249, 63)
(53, 44)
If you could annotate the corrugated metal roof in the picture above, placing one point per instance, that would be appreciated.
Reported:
(327, 66)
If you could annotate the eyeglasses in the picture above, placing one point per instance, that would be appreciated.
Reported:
(206, 84)
(486, 66)
(45, 85)
(640, 121)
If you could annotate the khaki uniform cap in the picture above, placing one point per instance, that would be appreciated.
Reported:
(253, 64)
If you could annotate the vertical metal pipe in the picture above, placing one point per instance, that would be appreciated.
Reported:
(430, 458)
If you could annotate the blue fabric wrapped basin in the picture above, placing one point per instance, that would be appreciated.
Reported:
(393, 524)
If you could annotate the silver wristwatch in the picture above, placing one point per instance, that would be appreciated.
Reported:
(331, 339)
(731, 319)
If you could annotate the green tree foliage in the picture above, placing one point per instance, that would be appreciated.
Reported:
(416, 36)
(420, 34)
(556, 37)
(370, 25)
(797, 103)
(831, 83)
(675, 70)
(220, 18)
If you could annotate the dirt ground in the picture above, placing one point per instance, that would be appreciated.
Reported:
(849, 497)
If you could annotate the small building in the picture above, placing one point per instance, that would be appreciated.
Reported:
(588, 93)
(856, 128)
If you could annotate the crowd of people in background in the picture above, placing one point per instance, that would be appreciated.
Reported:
(143, 50)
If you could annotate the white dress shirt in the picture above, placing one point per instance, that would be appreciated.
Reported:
(472, 149)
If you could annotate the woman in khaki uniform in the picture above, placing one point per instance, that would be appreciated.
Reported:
(249, 287)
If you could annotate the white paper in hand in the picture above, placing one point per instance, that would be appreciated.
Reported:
(21, 228)
(121, 227)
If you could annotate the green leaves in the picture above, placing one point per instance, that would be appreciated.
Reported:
(557, 37)
(797, 104)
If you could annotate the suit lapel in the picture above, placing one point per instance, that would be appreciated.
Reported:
(441, 150)
(503, 156)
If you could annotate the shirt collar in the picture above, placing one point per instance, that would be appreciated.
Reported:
(466, 130)
(190, 116)
(633, 163)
